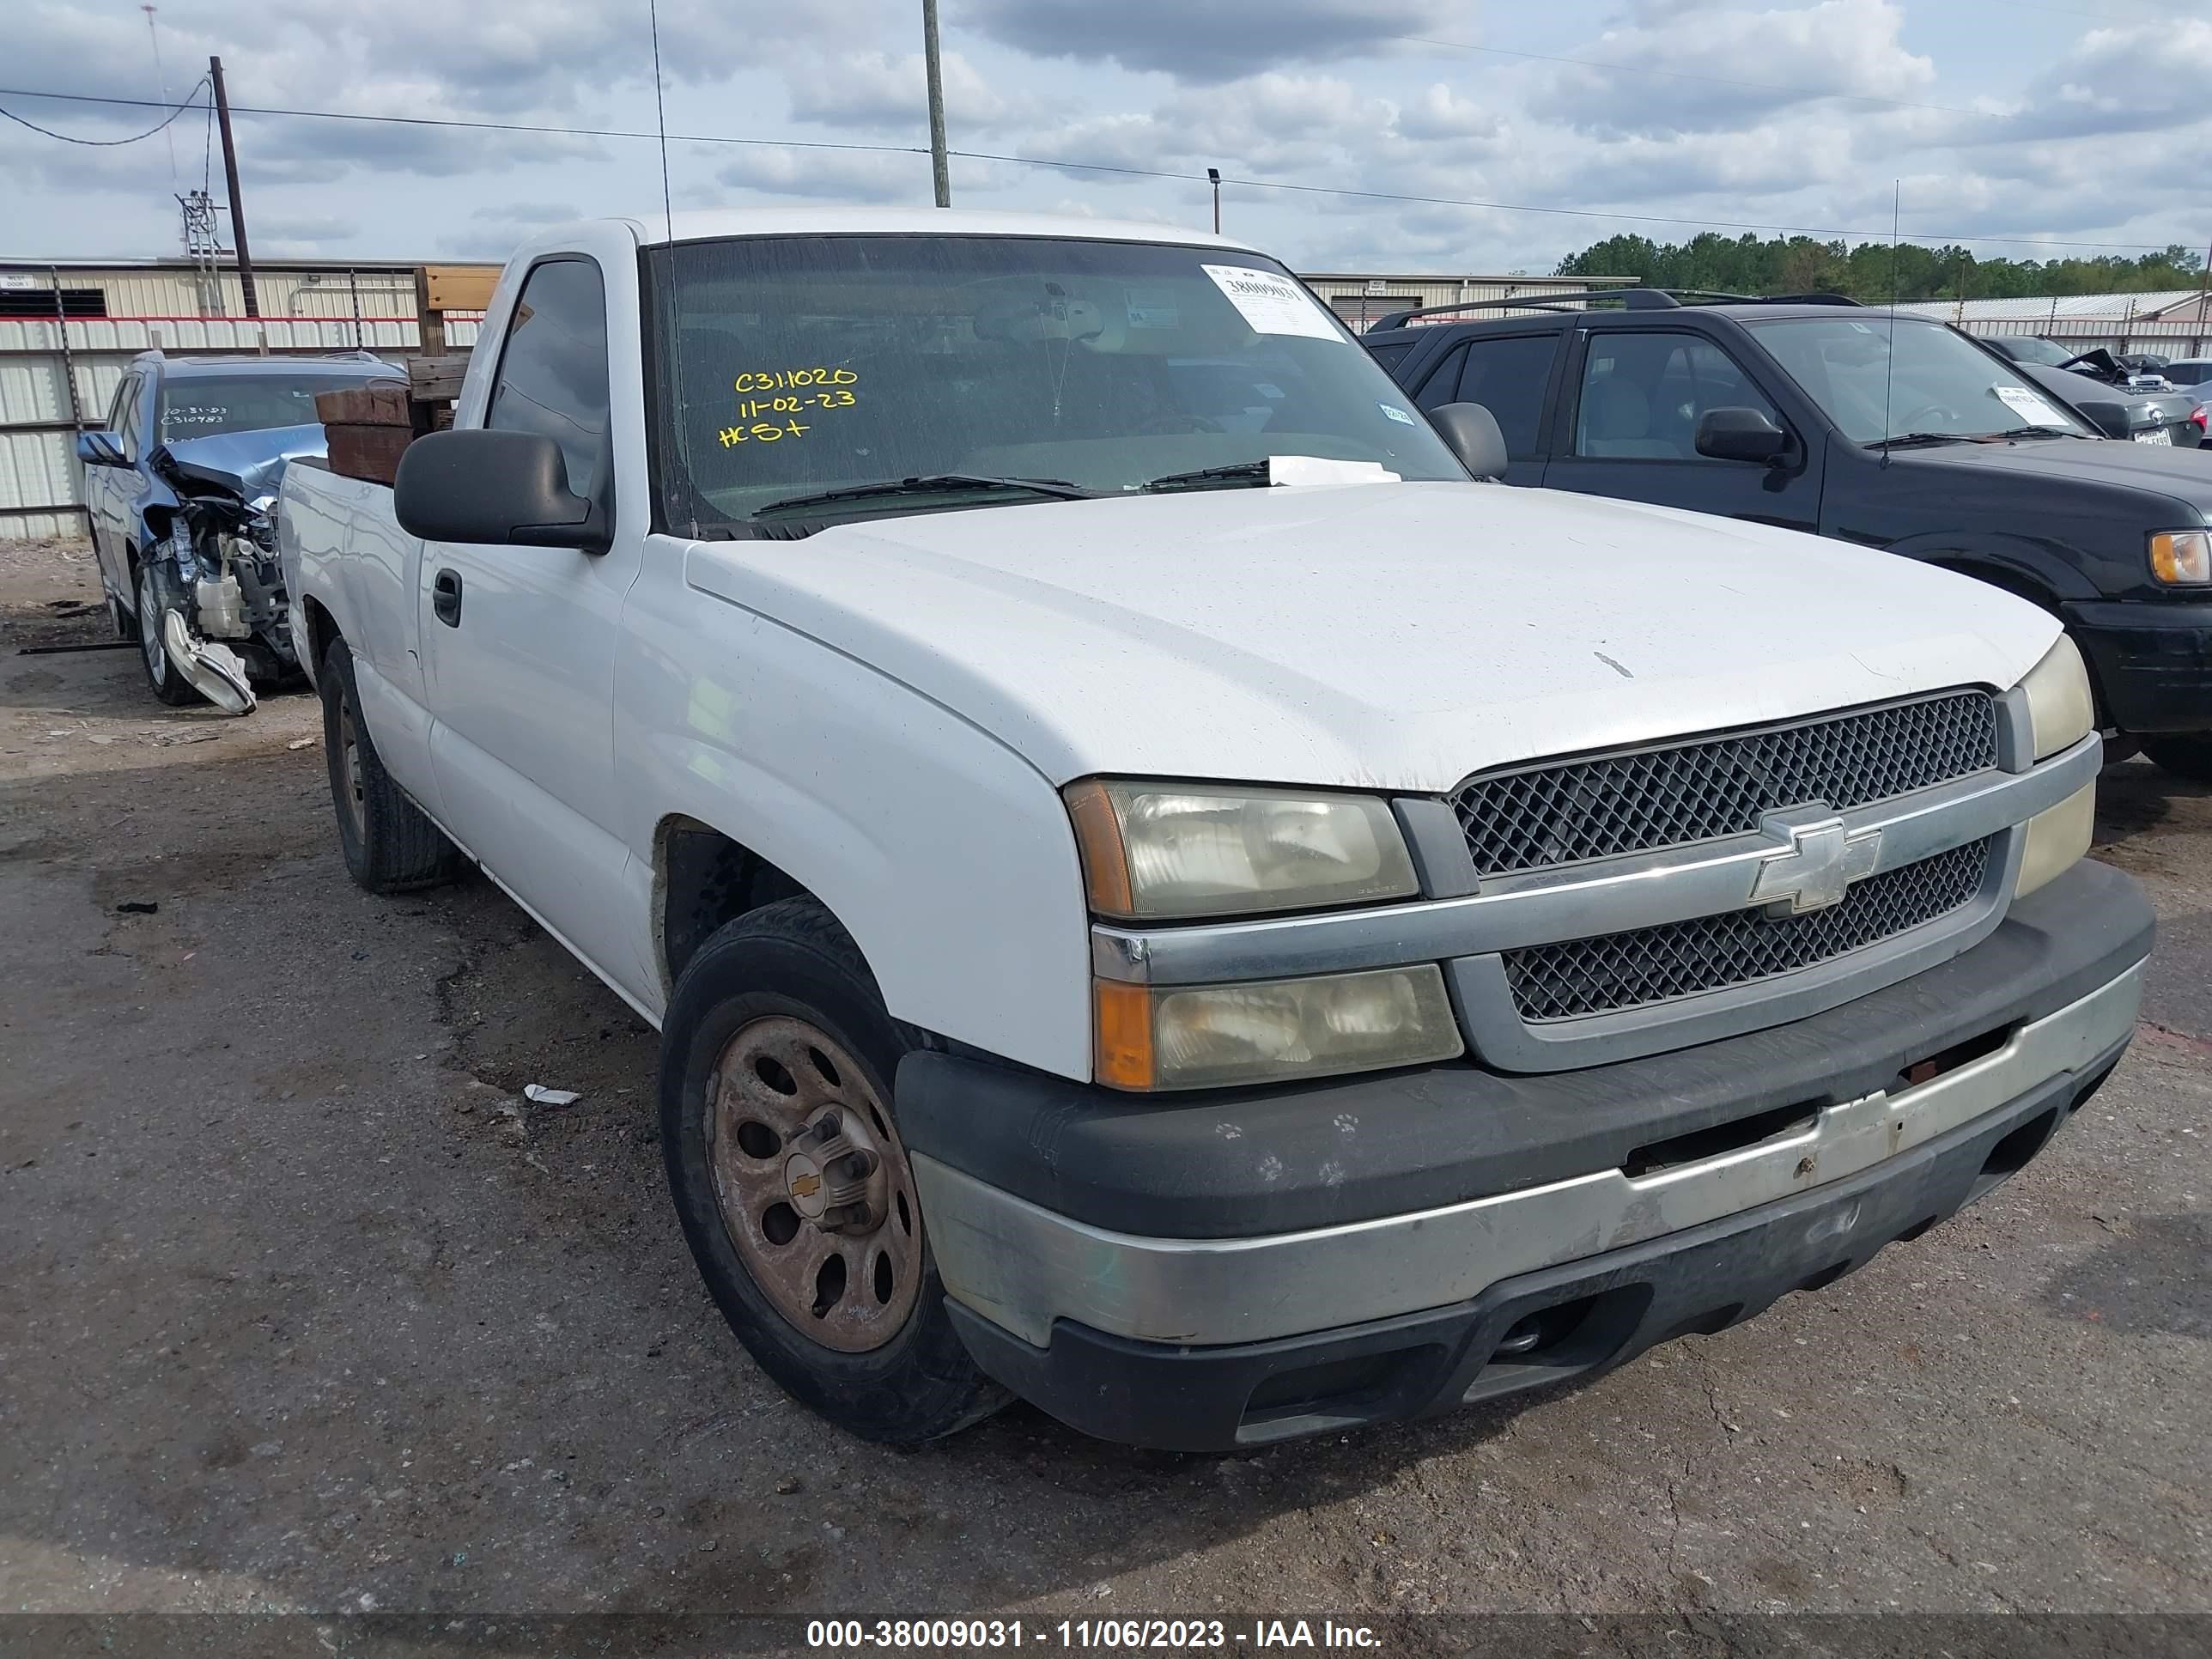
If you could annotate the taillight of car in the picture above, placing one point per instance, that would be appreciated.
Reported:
(2196, 416)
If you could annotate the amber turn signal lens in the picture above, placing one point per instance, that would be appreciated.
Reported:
(2181, 556)
(1123, 1023)
(1098, 842)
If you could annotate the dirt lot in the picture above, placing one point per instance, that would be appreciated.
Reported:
(303, 1307)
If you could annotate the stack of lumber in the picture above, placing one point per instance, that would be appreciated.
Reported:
(367, 428)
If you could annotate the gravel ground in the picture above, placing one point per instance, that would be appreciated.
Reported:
(303, 1307)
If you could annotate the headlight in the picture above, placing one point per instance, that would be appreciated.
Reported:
(2060, 711)
(2057, 838)
(1152, 851)
(2181, 556)
(1197, 1036)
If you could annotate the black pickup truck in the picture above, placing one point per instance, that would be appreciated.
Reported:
(1901, 433)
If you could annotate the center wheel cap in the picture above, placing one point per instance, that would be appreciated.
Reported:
(834, 1174)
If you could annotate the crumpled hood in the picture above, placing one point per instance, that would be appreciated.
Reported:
(1398, 636)
(249, 463)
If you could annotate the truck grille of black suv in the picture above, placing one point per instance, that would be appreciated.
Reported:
(1574, 810)
(1653, 964)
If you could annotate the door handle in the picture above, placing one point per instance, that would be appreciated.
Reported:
(446, 597)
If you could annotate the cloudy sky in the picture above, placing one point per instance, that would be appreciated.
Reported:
(2083, 121)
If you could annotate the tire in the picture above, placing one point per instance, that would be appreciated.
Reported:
(2188, 756)
(161, 674)
(390, 846)
(787, 976)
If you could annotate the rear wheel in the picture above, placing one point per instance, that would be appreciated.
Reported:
(161, 674)
(2188, 756)
(793, 1186)
(390, 846)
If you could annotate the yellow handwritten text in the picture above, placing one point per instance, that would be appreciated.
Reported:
(791, 379)
(761, 432)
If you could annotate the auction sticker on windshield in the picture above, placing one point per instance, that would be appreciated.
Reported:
(1271, 304)
(2029, 407)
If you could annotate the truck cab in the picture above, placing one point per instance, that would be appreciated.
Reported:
(1165, 893)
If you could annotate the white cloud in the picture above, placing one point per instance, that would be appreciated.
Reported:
(2088, 131)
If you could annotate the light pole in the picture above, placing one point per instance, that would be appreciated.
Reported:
(1213, 178)
(940, 174)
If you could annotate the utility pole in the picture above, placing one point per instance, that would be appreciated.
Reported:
(1213, 178)
(230, 183)
(161, 79)
(940, 174)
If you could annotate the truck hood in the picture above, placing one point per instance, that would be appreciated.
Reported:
(2182, 475)
(249, 465)
(1396, 636)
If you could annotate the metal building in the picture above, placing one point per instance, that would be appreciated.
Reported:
(2171, 322)
(1361, 298)
(67, 329)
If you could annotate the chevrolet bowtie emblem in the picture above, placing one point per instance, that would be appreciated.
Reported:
(1821, 860)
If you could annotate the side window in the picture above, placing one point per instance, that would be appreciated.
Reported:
(1507, 377)
(553, 368)
(119, 401)
(1642, 393)
(1391, 355)
(131, 399)
(1441, 386)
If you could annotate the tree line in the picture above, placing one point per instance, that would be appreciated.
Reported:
(1805, 265)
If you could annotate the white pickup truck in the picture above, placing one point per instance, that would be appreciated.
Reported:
(1162, 893)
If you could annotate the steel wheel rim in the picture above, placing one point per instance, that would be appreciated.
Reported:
(847, 1283)
(150, 627)
(353, 795)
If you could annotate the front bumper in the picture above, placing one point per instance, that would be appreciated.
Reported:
(1597, 1212)
(2151, 662)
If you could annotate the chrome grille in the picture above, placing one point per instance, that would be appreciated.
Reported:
(1656, 965)
(1665, 797)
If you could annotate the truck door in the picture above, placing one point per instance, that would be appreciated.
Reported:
(518, 643)
(1634, 398)
(111, 492)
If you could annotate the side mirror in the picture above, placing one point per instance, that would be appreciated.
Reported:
(1470, 431)
(504, 488)
(2111, 419)
(1740, 435)
(100, 449)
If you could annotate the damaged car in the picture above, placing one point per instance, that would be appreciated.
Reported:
(180, 484)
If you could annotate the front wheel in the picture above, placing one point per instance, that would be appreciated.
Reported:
(2186, 757)
(793, 1186)
(161, 674)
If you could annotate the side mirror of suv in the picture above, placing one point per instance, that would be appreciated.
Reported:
(1740, 435)
(100, 449)
(502, 488)
(1471, 433)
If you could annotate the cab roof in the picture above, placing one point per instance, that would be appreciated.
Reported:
(721, 223)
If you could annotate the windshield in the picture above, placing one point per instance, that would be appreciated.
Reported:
(789, 367)
(199, 405)
(1940, 383)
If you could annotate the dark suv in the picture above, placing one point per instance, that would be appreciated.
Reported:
(1799, 413)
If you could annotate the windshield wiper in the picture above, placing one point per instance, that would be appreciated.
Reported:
(1242, 472)
(1919, 440)
(2038, 432)
(936, 483)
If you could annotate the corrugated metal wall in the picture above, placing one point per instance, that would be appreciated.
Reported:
(1362, 299)
(306, 312)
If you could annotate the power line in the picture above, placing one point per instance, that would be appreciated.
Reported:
(175, 110)
(1611, 216)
